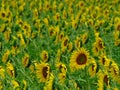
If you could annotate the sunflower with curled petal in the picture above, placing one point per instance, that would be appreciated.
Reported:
(79, 59)
(42, 71)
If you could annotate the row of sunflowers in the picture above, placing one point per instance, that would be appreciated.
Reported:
(59, 45)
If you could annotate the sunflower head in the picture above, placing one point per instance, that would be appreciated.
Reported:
(42, 71)
(79, 59)
(44, 56)
(93, 67)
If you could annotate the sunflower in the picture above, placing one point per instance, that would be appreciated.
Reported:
(15, 85)
(19, 22)
(25, 84)
(64, 43)
(35, 13)
(103, 80)
(2, 73)
(3, 14)
(64, 14)
(7, 35)
(117, 26)
(42, 71)
(27, 29)
(58, 55)
(54, 6)
(51, 31)
(56, 17)
(100, 43)
(104, 61)
(61, 36)
(114, 71)
(10, 69)
(79, 59)
(46, 21)
(62, 67)
(25, 60)
(92, 67)
(62, 71)
(70, 47)
(44, 56)
(95, 49)
(1, 85)
(61, 77)
(117, 42)
(5, 56)
(116, 35)
(2, 27)
(47, 5)
(84, 38)
(74, 24)
(77, 42)
(49, 83)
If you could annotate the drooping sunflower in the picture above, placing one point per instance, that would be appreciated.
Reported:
(42, 71)
(79, 59)
(44, 56)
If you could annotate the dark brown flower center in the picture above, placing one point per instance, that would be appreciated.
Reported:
(81, 59)
(44, 72)
(118, 27)
(103, 60)
(106, 79)
(51, 33)
(20, 23)
(93, 67)
(65, 42)
(45, 56)
(61, 36)
(3, 14)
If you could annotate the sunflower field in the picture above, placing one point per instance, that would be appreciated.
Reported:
(59, 44)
